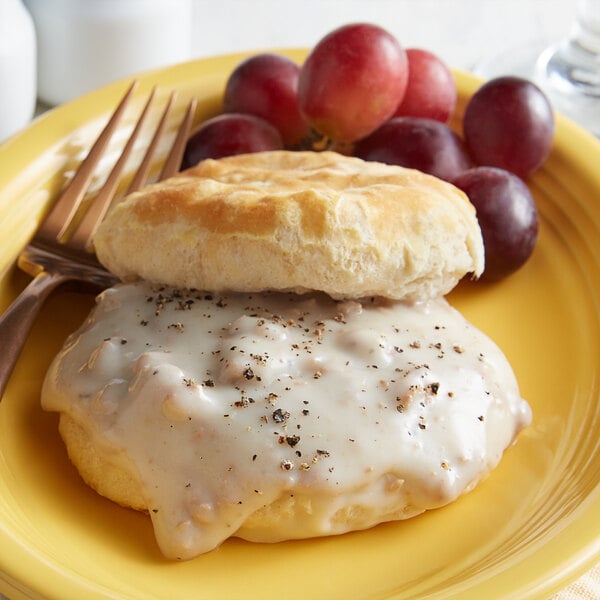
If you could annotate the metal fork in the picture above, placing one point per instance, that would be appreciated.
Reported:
(61, 249)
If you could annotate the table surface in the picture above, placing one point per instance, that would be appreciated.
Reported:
(463, 32)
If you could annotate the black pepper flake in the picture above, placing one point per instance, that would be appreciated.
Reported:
(248, 373)
(434, 387)
(305, 412)
(143, 322)
(287, 465)
(208, 383)
(254, 457)
(184, 304)
(481, 418)
(322, 452)
(292, 440)
(123, 341)
(280, 416)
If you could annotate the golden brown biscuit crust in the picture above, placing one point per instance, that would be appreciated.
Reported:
(296, 221)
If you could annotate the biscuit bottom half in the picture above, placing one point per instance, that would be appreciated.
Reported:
(274, 416)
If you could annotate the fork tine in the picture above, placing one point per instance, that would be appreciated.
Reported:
(56, 222)
(81, 238)
(173, 161)
(85, 229)
(141, 175)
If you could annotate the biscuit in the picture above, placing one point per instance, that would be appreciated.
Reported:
(296, 221)
(275, 416)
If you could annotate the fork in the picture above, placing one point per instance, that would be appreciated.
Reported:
(61, 249)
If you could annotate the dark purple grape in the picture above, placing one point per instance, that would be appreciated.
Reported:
(507, 215)
(266, 85)
(230, 134)
(509, 123)
(417, 143)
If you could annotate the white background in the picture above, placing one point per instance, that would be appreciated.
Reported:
(462, 32)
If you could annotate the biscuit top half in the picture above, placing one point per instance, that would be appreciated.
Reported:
(296, 221)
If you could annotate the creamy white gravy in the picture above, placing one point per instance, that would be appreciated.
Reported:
(360, 412)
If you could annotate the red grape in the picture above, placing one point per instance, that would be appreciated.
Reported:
(507, 216)
(266, 85)
(508, 123)
(431, 89)
(230, 134)
(352, 81)
(423, 144)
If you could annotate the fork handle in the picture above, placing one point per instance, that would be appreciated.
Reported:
(17, 321)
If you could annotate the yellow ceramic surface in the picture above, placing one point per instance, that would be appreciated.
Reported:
(526, 531)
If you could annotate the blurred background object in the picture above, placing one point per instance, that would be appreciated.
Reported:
(84, 44)
(17, 67)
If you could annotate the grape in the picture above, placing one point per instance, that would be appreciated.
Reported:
(423, 144)
(507, 216)
(266, 85)
(431, 89)
(508, 123)
(230, 134)
(352, 81)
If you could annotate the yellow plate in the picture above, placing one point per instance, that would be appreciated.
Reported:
(526, 531)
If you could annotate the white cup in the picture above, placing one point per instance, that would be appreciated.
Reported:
(83, 44)
(17, 67)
